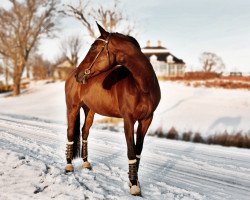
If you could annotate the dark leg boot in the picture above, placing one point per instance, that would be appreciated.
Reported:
(133, 178)
(86, 164)
(69, 156)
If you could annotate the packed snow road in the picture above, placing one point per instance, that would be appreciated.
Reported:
(32, 164)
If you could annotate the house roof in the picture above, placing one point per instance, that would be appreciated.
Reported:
(161, 53)
(163, 57)
(64, 64)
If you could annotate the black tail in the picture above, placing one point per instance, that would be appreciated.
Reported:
(77, 138)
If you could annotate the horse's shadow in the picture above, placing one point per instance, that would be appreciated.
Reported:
(115, 76)
(230, 122)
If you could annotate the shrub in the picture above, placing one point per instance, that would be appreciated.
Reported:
(172, 134)
(5, 88)
(227, 84)
(159, 132)
(187, 136)
(237, 78)
(238, 140)
(40, 72)
(200, 75)
(225, 139)
(197, 138)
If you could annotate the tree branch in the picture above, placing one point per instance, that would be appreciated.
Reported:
(110, 17)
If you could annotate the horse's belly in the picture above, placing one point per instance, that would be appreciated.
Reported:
(105, 110)
(102, 103)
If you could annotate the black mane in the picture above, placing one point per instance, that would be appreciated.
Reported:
(131, 39)
(134, 41)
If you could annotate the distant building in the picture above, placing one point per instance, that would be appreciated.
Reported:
(235, 73)
(62, 69)
(164, 63)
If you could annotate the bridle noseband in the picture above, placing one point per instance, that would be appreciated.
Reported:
(88, 70)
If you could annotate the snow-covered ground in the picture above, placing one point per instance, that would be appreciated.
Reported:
(203, 110)
(33, 137)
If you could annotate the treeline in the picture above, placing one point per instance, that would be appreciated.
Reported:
(239, 139)
(212, 80)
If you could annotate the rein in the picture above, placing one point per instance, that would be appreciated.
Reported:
(88, 70)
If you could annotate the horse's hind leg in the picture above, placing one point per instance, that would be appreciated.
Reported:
(140, 134)
(133, 176)
(73, 135)
(89, 117)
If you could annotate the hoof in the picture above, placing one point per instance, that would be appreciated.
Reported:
(69, 168)
(135, 189)
(86, 165)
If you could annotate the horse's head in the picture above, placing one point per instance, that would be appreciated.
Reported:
(98, 59)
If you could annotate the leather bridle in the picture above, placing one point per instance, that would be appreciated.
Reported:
(88, 70)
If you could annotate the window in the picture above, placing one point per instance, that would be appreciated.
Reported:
(180, 70)
(171, 70)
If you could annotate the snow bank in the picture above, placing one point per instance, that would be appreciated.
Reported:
(203, 110)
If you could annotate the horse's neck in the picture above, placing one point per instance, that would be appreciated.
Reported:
(142, 71)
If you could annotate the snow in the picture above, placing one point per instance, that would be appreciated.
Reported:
(33, 137)
(203, 110)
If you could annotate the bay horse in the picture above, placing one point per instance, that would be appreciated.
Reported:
(115, 79)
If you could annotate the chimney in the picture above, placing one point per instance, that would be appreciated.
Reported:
(148, 43)
(159, 43)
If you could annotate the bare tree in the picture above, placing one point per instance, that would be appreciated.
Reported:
(70, 48)
(111, 17)
(6, 70)
(21, 27)
(40, 67)
(211, 62)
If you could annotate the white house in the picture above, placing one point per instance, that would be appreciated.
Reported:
(164, 63)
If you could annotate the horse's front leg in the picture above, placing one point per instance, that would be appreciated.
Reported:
(73, 135)
(133, 176)
(89, 118)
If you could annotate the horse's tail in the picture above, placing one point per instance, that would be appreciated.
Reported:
(77, 138)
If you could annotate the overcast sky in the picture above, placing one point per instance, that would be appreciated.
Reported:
(189, 27)
(186, 27)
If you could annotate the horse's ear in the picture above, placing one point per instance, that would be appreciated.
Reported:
(102, 31)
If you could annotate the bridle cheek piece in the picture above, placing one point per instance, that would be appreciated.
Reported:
(88, 70)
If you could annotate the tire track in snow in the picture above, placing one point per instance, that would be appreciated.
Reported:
(182, 170)
(197, 176)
